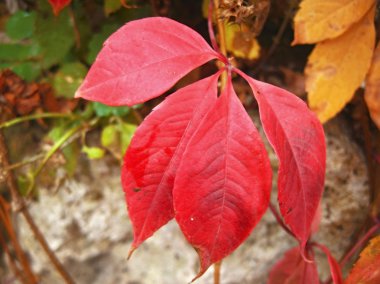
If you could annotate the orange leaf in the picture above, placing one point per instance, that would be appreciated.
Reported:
(337, 67)
(319, 20)
(372, 88)
(367, 268)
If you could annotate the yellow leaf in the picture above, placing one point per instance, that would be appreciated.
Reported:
(372, 88)
(367, 268)
(337, 67)
(240, 41)
(318, 20)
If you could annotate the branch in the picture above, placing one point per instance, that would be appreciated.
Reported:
(20, 205)
(222, 40)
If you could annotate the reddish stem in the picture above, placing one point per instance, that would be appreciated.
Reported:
(359, 244)
(214, 44)
(279, 220)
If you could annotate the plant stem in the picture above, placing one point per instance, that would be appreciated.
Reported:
(222, 41)
(217, 267)
(24, 162)
(26, 273)
(21, 206)
(75, 27)
(279, 220)
(35, 116)
(359, 244)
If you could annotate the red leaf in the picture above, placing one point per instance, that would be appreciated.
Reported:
(154, 154)
(336, 273)
(298, 140)
(58, 5)
(317, 220)
(223, 183)
(142, 60)
(293, 269)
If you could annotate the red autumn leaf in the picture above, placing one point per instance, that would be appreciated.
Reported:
(336, 273)
(58, 5)
(317, 220)
(298, 140)
(155, 152)
(223, 183)
(142, 60)
(293, 269)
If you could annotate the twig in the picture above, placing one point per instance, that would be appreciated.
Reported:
(75, 27)
(25, 275)
(24, 162)
(359, 244)
(222, 40)
(51, 152)
(21, 206)
(35, 116)
(16, 271)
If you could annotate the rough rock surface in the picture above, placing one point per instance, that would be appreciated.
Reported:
(86, 223)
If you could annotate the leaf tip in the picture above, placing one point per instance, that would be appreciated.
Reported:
(77, 94)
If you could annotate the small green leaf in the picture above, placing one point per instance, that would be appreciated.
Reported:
(68, 78)
(29, 71)
(93, 152)
(111, 6)
(109, 135)
(127, 131)
(102, 110)
(20, 25)
(18, 52)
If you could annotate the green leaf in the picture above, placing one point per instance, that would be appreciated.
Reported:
(127, 131)
(111, 6)
(117, 137)
(21, 25)
(18, 52)
(55, 34)
(93, 152)
(97, 41)
(29, 71)
(68, 78)
(109, 135)
(102, 110)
